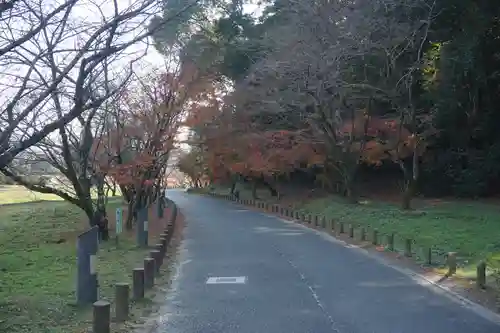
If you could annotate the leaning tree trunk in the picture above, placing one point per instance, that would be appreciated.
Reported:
(130, 216)
(96, 217)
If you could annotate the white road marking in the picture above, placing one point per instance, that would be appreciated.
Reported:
(227, 280)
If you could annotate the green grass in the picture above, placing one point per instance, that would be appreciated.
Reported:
(38, 266)
(10, 194)
(471, 229)
(15, 194)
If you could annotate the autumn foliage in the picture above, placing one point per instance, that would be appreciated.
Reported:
(142, 130)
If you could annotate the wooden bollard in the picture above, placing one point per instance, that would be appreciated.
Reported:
(101, 322)
(362, 235)
(341, 228)
(159, 247)
(315, 220)
(297, 216)
(375, 237)
(390, 241)
(408, 247)
(149, 273)
(156, 255)
(323, 222)
(163, 241)
(481, 275)
(351, 231)
(121, 301)
(138, 283)
(451, 262)
(332, 224)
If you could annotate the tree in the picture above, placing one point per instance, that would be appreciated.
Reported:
(58, 54)
(362, 65)
(143, 130)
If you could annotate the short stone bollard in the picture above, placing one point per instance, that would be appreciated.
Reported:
(121, 301)
(408, 247)
(375, 237)
(451, 262)
(481, 275)
(351, 231)
(315, 220)
(149, 273)
(156, 255)
(323, 222)
(362, 235)
(341, 228)
(159, 247)
(138, 283)
(428, 256)
(390, 242)
(163, 241)
(101, 322)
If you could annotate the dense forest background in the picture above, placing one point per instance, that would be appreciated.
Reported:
(416, 82)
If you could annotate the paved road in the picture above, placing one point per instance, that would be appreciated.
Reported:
(296, 282)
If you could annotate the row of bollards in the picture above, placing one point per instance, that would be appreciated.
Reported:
(340, 228)
(143, 278)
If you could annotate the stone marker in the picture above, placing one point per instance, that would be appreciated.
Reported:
(86, 279)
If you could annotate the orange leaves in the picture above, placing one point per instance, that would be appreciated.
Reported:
(142, 129)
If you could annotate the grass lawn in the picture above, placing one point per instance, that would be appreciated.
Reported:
(10, 194)
(470, 228)
(15, 194)
(38, 266)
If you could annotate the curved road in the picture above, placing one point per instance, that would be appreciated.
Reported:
(296, 281)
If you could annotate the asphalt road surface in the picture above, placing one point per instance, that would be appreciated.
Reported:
(278, 277)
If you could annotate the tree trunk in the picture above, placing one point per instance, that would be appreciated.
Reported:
(272, 190)
(131, 215)
(254, 189)
(410, 181)
(350, 192)
(233, 187)
(97, 218)
(408, 194)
